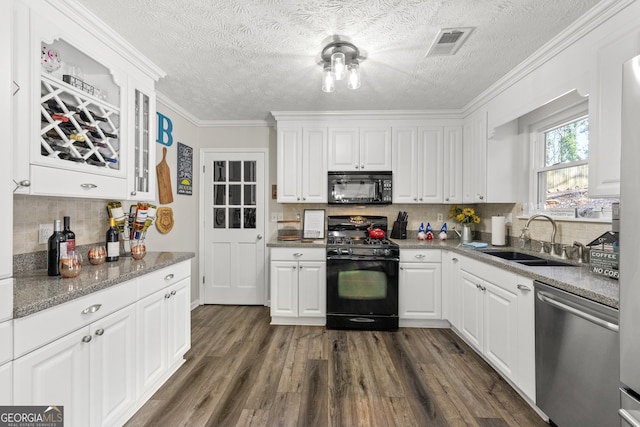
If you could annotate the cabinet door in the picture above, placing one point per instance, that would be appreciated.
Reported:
(430, 167)
(151, 332)
(57, 374)
(140, 116)
(405, 161)
(344, 149)
(451, 288)
(474, 158)
(526, 337)
(500, 337)
(284, 288)
(471, 306)
(452, 183)
(375, 148)
(312, 293)
(420, 291)
(6, 384)
(289, 164)
(179, 321)
(113, 387)
(313, 172)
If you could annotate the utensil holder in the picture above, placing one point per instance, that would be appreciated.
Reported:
(399, 230)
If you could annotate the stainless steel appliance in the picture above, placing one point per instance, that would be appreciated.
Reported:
(360, 188)
(577, 359)
(362, 274)
(629, 252)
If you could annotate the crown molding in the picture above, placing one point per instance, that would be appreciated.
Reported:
(108, 36)
(595, 17)
(368, 115)
(164, 99)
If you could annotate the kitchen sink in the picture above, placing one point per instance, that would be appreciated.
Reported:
(528, 259)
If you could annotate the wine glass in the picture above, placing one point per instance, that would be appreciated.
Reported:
(70, 265)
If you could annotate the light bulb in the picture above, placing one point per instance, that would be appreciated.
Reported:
(337, 65)
(353, 75)
(328, 80)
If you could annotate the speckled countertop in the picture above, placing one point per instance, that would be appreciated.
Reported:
(577, 280)
(34, 291)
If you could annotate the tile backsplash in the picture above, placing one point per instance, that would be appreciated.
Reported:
(89, 220)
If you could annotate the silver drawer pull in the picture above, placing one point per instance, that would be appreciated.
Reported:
(168, 276)
(419, 256)
(100, 332)
(523, 288)
(88, 186)
(297, 254)
(92, 309)
(173, 292)
(86, 338)
(167, 296)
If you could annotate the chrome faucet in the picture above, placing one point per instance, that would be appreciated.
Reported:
(583, 252)
(524, 234)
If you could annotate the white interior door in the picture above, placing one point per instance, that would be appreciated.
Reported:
(234, 247)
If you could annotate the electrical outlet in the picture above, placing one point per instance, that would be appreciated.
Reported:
(44, 232)
(440, 218)
(274, 217)
(280, 216)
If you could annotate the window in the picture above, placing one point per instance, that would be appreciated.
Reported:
(560, 165)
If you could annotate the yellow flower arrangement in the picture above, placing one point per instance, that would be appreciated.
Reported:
(464, 215)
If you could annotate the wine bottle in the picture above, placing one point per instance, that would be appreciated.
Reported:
(69, 235)
(113, 245)
(117, 212)
(56, 248)
(85, 118)
(141, 215)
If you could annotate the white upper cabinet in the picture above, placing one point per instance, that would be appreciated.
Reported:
(418, 154)
(302, 165)
(75, 113)
(474, 158)
(605, 111)
(452, 174)
(366, 148)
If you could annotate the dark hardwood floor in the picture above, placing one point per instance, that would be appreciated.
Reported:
(241, 371)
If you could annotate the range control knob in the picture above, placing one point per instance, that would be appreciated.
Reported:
(387, 252)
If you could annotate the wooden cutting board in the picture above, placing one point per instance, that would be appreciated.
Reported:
(165, 194)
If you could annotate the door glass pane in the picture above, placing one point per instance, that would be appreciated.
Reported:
(219, 218)
(249, 217)
(234, 218)
(250, 171)
(235, 195)
(250, 194)
(220, 171)
(235, 171)
(219, 194)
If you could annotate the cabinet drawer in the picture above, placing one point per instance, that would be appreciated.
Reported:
(298, 254)
(34, 331)
(51, 182)
(160, 279)
(420, 255)
(506, 280)
(6, 338)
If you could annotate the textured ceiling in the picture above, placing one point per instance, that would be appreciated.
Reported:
(238, 60)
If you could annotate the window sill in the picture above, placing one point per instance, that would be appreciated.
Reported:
(605, 220)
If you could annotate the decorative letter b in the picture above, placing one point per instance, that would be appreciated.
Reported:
(165, 127)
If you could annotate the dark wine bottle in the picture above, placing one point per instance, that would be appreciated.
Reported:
(69, 235)
(113, 246)
(56, 248)
(85, 118)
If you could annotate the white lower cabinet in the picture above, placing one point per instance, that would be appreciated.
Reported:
(420, 287)
(6, 384)
(496, 317)
(90, 372)
(298, 286)
(164, 335)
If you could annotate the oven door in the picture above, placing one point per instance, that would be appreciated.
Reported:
(362, 294)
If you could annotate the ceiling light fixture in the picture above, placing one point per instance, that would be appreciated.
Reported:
(340, 59)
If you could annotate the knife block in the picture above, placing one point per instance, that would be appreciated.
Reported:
(399, 230)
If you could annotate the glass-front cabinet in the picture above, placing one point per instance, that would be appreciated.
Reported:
(83, 113)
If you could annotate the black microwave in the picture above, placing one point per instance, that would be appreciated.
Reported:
(359, 188)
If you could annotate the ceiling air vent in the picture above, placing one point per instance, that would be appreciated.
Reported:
(448, 41)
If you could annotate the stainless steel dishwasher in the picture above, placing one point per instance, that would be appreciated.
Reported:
(577, 359)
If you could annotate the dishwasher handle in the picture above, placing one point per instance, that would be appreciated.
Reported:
(624, 414)
(544, 297)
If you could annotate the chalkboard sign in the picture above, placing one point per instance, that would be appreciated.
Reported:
(185, 169)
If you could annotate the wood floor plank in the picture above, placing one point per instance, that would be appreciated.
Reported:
(241, 371)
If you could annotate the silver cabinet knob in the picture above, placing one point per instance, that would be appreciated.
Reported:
(134, 192)
(420, 256)
(173, 292)
(481, 197)
(167, 296)
(294, 267)
(100, 332)
(454, 259)
(86, 338)
(259, 236)
(168, 276)
(297, 254)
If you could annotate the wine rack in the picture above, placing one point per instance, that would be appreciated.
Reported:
(78, 127)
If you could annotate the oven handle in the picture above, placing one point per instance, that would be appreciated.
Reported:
(361, 320)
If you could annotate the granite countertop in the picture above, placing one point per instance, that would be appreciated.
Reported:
(576, 280)
(35, 291)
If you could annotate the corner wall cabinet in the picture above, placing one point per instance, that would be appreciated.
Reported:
(75, 114)
(474, 159)
(298, 286)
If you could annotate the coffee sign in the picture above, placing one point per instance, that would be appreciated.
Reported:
(604, 263)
